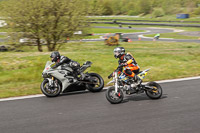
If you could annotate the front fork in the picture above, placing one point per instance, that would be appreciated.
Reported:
(51, 84)
(116, 83)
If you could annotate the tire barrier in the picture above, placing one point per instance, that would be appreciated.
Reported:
(112, 40)
(176, 25)
(115, 20)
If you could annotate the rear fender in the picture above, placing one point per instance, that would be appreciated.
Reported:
(143, 74)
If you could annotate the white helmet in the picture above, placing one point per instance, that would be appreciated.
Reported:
(118, 52)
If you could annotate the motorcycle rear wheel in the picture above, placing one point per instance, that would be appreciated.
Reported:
(98, 86)
(156, 93)
(112, 97)
(50, 92)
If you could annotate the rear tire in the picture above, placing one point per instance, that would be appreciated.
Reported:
(50, 92)
(99, 83)
(112, 97)
(156, 93)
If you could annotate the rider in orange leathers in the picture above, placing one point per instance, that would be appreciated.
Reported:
(127, 61)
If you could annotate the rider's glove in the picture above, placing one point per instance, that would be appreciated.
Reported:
(124, 64)
(111, 75)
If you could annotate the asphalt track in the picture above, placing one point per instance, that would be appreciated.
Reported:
(135, 36)
(178, 111)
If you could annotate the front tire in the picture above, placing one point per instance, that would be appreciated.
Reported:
(112, 97)
(99, 83)
(49, 91)
(154, 93)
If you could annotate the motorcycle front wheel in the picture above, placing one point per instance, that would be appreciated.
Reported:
(50, 91)
(154, 93)
(98, 83)
(112, 97)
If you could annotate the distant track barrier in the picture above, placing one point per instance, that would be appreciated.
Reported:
(157, 24)
(115, 20)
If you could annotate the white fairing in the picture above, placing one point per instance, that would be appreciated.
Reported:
(47, 66)
(58, 73)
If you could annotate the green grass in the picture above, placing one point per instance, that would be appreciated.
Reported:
(110, 30)
(21, 71)
(106, 30)
(3, 36)
(5, 29)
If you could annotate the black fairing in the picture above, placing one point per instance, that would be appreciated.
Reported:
(75, 87)
(85, 66)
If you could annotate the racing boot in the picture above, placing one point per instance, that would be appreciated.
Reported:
(137, 83)
(137, 80)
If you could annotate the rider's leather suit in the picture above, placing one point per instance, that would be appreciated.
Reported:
(130, 65)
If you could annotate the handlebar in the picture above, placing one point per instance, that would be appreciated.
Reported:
(111, 75)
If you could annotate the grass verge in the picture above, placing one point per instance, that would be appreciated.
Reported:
(110, 30)
(21, 71)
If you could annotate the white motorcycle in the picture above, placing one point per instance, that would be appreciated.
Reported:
(64, 79)
(123, 83)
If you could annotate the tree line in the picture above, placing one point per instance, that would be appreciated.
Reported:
(49, 20)
(56, 20)
(144, 7)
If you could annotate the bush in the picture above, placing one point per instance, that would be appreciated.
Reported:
(158, 12)
(132, 13)
(197, 11)
(1, 68)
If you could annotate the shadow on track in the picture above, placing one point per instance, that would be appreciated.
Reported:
(140, 97)
(79, 92)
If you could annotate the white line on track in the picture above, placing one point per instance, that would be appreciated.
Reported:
(41, 95)
(176, 80)
(22, 97)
